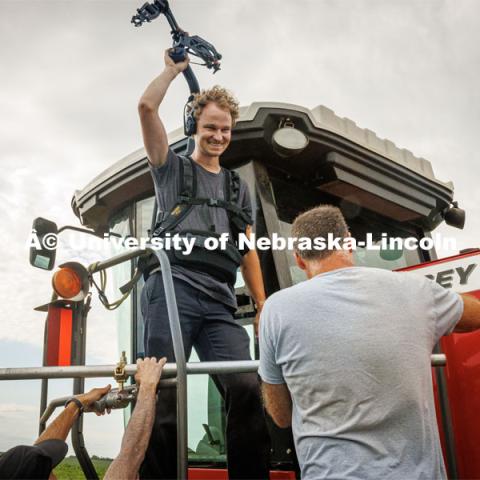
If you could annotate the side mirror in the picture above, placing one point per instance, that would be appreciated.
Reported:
(455, 216)
(43, 247)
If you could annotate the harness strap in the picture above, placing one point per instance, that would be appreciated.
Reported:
(217, 202)
(187, 199)
(188, 183)
(187, 188)
(233, 186)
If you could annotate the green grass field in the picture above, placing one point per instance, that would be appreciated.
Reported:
(70, 469)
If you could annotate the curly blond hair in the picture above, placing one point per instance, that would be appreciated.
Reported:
(218, 95)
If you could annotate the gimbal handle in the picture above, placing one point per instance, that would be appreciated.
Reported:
(177, 54)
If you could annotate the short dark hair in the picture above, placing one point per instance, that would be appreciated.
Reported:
(315, 223)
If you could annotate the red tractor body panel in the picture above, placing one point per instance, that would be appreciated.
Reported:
(222, 474)
(462, 372)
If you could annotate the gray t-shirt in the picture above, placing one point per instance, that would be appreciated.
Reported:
(353, 346)
(209, 185)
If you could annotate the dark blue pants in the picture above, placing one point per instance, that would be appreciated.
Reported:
(209, 327)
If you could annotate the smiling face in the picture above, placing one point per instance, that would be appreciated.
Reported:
(214, 130)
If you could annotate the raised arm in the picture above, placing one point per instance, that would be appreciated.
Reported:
(154, 135)
(470, 319)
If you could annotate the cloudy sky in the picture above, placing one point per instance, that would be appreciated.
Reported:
(72, 73)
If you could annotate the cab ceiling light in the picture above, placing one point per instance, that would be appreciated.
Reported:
(287, 140)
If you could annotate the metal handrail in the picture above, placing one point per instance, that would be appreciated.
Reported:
(60, 401)
(57, 402)
(169, 370)
(193, 368)
(179, 352)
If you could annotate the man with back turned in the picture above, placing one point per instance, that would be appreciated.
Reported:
(345, 359)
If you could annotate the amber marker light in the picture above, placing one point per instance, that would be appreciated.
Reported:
(70, 281)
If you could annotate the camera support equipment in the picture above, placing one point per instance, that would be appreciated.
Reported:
(183, 43)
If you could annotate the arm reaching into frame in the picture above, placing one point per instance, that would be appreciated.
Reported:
(470, 319)
(137, 435)
(61, 426)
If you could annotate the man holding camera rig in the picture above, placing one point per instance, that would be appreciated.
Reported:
(195, 194)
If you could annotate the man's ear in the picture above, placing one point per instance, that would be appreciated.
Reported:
(300, 262)
(350, 250)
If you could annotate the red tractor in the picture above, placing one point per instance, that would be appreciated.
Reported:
(292, 158)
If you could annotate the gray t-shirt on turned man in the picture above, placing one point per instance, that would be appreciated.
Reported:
(166, 180)
(353, 346)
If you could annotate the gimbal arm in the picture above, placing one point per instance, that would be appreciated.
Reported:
(183, 43)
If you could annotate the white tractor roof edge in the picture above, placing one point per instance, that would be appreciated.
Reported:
(322, 118)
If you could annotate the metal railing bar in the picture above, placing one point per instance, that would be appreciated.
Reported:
(181, 364)
(120, 258)
(169, 370)
(52, 406)
(60, 401)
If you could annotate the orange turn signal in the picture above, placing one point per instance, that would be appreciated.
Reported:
(67, 283)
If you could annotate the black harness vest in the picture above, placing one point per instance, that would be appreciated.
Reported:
(220, 263)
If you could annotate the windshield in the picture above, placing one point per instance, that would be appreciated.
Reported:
(118, 276)
(292, 199)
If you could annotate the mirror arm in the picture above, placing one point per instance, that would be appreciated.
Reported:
(90, 232)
